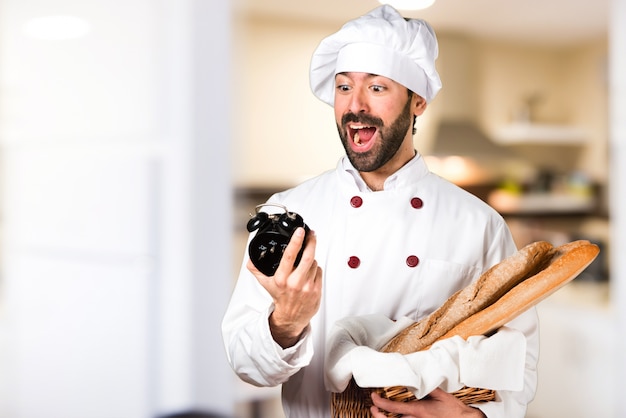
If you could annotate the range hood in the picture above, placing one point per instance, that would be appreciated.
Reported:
(497, 160)
(463, 154)
(465, 139)
(540, 133)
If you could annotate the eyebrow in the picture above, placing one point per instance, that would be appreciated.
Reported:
(369, 75)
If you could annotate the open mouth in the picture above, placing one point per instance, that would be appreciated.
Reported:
(361, 135)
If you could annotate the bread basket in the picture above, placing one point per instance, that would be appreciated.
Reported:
(498, 296)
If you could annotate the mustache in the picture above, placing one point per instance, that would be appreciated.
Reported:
(363, 118)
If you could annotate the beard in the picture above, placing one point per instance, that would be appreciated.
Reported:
(390, 138)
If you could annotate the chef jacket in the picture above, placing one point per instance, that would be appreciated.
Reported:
(400, 252)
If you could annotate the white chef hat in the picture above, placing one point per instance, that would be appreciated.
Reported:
(381, 42)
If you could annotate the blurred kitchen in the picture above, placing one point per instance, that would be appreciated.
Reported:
(136, 137)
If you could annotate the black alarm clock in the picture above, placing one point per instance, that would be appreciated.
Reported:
(273, 234)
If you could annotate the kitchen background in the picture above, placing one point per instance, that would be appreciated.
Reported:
(137, 136)
(522, 122)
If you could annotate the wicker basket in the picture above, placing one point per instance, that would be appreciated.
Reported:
(355, 402)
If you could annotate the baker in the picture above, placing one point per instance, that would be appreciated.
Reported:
(388, 237)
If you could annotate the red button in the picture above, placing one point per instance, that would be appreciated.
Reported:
(417, 203)
(412, 261)
(354, 262)
(356, 202)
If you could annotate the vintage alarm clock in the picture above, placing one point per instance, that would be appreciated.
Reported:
(274, 232)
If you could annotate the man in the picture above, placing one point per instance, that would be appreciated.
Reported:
(391, 238)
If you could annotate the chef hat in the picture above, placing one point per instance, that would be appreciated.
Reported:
(383, 43)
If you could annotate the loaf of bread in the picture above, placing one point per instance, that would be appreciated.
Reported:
(568, 261)
(487, 289)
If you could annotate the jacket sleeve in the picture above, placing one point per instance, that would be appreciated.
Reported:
(509, 404)
(252, 352)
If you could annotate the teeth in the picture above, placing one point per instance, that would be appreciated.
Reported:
(357, 139)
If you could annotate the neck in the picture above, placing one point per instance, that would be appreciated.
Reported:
(375, 180)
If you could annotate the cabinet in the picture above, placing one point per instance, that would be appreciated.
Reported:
(535, 216)
(577, 375)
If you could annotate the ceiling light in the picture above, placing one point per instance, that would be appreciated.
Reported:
(56, 28)
(408, 4)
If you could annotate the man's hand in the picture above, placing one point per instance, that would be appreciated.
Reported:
(296, 291)
(437, 404)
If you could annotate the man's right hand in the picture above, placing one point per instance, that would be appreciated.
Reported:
(296, 291)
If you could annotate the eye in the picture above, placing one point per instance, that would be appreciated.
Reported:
(377, 88)
(343, 88)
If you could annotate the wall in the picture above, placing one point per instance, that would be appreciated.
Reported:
(113, 286)
(570, 86)
(587, 93)
(282, 133)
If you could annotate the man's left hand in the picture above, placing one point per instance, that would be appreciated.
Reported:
(437, 404)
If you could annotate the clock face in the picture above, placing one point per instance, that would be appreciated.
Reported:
(266, 250)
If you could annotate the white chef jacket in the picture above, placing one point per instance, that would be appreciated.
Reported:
(400, 252)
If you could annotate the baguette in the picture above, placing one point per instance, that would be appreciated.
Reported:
(568, 262)
(487, 289)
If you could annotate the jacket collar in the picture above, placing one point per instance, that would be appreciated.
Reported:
(408, 174)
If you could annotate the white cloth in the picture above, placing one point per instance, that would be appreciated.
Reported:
(384, 43)
(454, 235)
(490, 363)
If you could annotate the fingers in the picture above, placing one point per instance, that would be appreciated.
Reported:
(290, 254)
(293, 248)
(376, 413)
(389, 406)
(306, 277)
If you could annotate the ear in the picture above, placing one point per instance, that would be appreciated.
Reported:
(418, 104)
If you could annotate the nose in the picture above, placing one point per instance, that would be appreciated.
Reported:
(358, 101)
